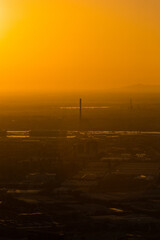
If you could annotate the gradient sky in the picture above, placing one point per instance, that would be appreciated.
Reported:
(65, 45)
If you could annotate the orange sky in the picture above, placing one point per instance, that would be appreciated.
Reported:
(63, 45)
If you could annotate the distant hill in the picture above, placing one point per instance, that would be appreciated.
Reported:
(143, 88)
(137, 88)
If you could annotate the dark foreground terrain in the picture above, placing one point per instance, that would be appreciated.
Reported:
(80, 185)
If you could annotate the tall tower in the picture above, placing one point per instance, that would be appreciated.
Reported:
(80, 109)
(131, 104)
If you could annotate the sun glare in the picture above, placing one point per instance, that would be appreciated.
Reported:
(3, 18)
(10, 12)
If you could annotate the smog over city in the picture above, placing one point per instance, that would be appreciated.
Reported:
(79, 120)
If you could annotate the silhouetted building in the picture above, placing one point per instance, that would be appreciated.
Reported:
(80, 109)
(131, 104)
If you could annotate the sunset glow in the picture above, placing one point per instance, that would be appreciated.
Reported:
(65, 45)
